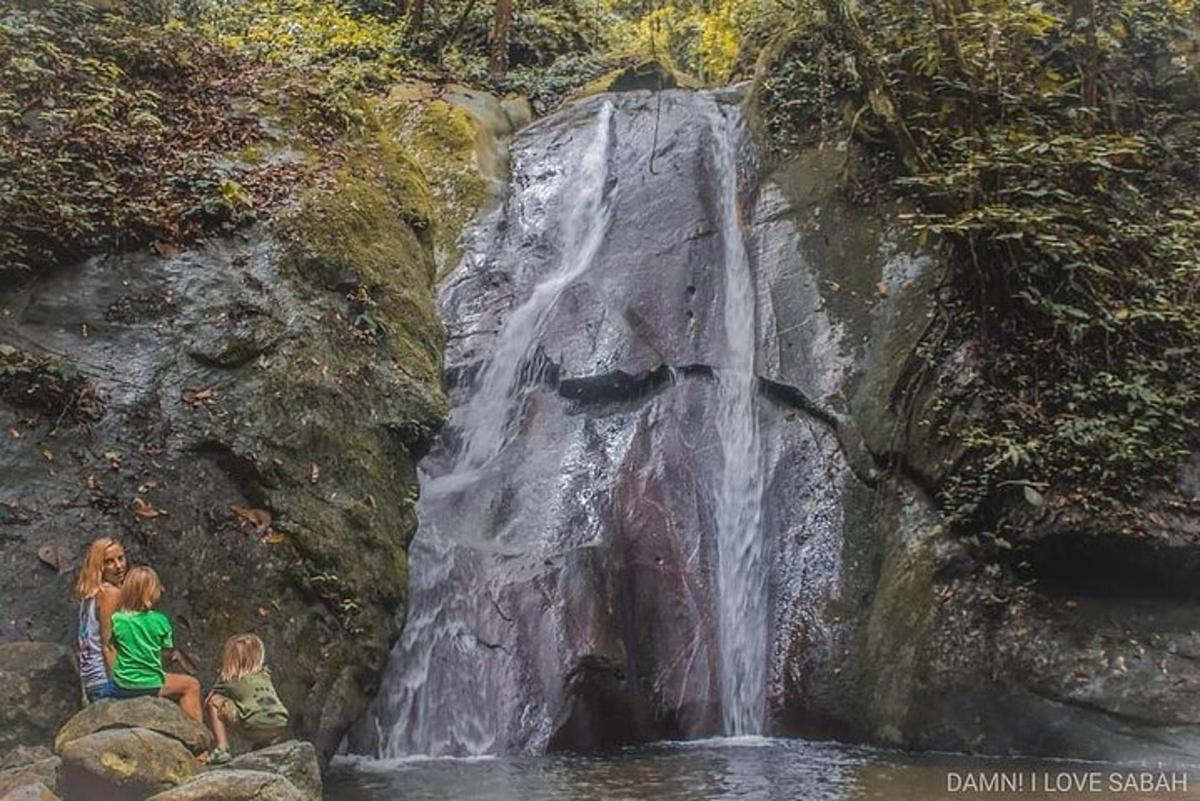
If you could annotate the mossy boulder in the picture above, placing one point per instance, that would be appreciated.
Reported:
(234, 785)
(39, 691)
(124, 765)
(154, 714)
(294, 760)
(638, 74)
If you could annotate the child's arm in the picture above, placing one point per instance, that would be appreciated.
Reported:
(171, 653)
(106, 604)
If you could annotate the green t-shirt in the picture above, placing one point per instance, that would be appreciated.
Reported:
(140, 638)
(257, 704)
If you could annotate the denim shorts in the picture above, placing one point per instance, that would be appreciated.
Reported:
(117, 691)
(98, 692)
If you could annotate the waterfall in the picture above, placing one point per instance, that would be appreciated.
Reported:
(741, 574)
(588, 565)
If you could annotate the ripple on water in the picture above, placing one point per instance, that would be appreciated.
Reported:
(721, 769)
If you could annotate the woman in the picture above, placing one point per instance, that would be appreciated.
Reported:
(98, 587)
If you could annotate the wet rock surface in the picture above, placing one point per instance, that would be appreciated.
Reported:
(39, 691)
(589, 541)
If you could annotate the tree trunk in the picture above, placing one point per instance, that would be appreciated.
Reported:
(499, 61)
(416, 20)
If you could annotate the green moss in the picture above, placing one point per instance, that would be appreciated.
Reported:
(373, 229)
(446, 140)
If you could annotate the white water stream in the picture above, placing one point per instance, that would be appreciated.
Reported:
(741, 574)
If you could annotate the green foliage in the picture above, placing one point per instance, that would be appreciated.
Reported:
(107, 125)
(1044, 143)
(339, 54)
(717, 41)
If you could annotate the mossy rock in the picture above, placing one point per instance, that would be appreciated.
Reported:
(124, 765)
(153, 714)
(234, 785)
(39, 691)
(650, 75)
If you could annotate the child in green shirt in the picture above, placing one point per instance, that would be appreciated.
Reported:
(140, 635)
(244, 697)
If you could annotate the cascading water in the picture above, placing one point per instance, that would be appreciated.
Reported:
(741, 576)
(590, 560)
(449, 561)
(486, 421)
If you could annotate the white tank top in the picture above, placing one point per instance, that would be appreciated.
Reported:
(91, 654)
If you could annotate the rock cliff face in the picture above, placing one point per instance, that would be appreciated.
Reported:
(247, 417)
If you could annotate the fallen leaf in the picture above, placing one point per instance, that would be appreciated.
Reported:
(881, 289)
(56, 557)
(259, 518)
(145, 509)
(48, 455)
(197, 395)
(273, 538)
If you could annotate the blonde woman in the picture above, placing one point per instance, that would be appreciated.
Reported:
(244, 697)
(98, 588)
(142, 636)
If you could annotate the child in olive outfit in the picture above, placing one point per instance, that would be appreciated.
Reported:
(244, 697)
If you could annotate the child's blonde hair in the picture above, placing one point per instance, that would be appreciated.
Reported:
(91, 572)
(141, 590)
(243, 655)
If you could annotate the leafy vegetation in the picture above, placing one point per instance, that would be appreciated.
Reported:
(108, 126)
(1045, 144)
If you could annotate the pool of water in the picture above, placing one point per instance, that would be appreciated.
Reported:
(756, 769)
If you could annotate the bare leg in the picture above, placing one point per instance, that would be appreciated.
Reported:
(215, 722)
(185, 691)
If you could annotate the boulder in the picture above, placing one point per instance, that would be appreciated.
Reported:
(124, 765)
(234, 785)
(295, 760)
(39, 691)
(43, 771)
(30, 792)
(154, 714)
(24, 755)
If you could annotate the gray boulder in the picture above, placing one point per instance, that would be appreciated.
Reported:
(295, 760)
(30, 792)
(154, 714)
(124, 765)
(234, 785)
(24, 755)
(39, 691)
(43, 771)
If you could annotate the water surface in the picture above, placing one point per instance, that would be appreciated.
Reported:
(749, 769)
